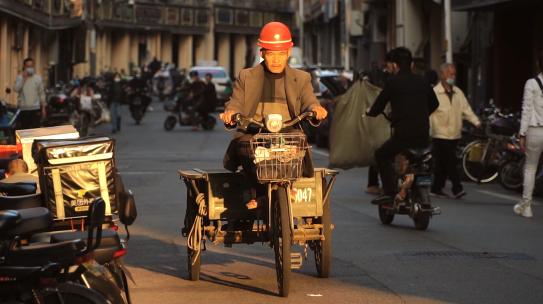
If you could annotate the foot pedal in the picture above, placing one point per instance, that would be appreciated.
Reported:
(296, 260)
(436, 211)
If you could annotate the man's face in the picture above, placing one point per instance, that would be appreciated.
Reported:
(29, 64)
(389, 67)
(276, 61)
(448, 73)
(208, 78)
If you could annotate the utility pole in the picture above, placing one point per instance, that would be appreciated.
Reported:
(301, 16)
(347, 7)
(448, 30)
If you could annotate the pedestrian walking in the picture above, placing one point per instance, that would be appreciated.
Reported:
(31, 98)
(115, 97)
(210, 95)
(446, 130)
(531, 136)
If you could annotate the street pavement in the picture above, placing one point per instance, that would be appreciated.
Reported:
(477, 251)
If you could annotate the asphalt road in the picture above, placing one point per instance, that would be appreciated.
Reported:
(477, 251)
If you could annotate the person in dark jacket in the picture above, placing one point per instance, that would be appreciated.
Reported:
(196, 89)
(412, 100)
(210, 96)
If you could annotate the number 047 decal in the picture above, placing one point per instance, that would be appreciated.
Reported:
(301, 195)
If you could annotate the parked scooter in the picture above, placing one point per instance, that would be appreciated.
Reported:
(59, 105)
(109, 253)
(44, 273)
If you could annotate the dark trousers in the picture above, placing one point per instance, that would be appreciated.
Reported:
(373, 177)
(30, 119)
(384, 156)
(445, 164)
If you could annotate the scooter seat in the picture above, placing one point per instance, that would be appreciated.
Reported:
(8, 219)
(15, 189)
(21, 202)
(109, 245)
(63, 253)
(31, 221)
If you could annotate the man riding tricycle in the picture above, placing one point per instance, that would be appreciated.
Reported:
(277, 197)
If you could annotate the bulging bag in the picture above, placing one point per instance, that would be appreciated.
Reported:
(354, 137)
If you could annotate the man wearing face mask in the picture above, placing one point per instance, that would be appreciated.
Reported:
(446, 130)
(31, 99)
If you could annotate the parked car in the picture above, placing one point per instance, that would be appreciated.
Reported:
(328, 85)
(223, 83)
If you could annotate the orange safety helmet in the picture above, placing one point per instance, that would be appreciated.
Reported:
(275, 36)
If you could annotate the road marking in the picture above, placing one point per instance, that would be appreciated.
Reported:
(143, 172)
(506, 197)
(320, 152)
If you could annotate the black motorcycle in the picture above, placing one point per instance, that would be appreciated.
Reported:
(138, 101)
(413, 170)
(113, 281)
(47, 273)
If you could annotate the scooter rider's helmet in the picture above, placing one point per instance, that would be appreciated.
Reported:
(275, 36)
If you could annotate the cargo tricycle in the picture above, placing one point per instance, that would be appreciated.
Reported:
(296, 209)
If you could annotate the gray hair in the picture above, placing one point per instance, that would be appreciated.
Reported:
(445, 66)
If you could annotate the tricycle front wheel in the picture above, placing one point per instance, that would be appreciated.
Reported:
(281, 240)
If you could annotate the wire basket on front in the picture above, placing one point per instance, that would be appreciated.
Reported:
(278, 157)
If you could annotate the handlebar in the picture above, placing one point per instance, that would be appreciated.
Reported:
(240, 120)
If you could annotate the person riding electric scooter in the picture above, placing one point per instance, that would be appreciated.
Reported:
(412, 100)
(269, 88)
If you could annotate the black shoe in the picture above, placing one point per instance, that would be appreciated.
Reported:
(439, 194)
(459, 194)
(383, 199)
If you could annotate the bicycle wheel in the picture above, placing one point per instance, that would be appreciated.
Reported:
(281, 240)
(477, 162)
(512, 175)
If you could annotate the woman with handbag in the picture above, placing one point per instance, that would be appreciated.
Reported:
(531, 136)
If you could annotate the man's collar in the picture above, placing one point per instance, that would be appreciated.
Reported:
(441, 88)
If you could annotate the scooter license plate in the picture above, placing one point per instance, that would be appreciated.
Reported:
(423, 180)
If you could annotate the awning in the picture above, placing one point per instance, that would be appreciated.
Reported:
(460, 5)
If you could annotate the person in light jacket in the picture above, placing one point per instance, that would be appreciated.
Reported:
(531, 136)
(31, 99)
(446, 130)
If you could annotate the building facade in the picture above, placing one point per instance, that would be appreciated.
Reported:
(77, 38)
(36, 29)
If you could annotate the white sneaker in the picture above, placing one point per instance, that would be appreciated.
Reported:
(524, 209)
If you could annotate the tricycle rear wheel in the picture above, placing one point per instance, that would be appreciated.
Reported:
(323, 248)
(281, 240)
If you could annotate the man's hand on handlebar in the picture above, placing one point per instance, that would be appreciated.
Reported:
(320, 112)
(226, 117)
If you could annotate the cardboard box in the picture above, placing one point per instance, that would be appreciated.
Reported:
(26, 138)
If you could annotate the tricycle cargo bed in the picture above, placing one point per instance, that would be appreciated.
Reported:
(226, 193)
